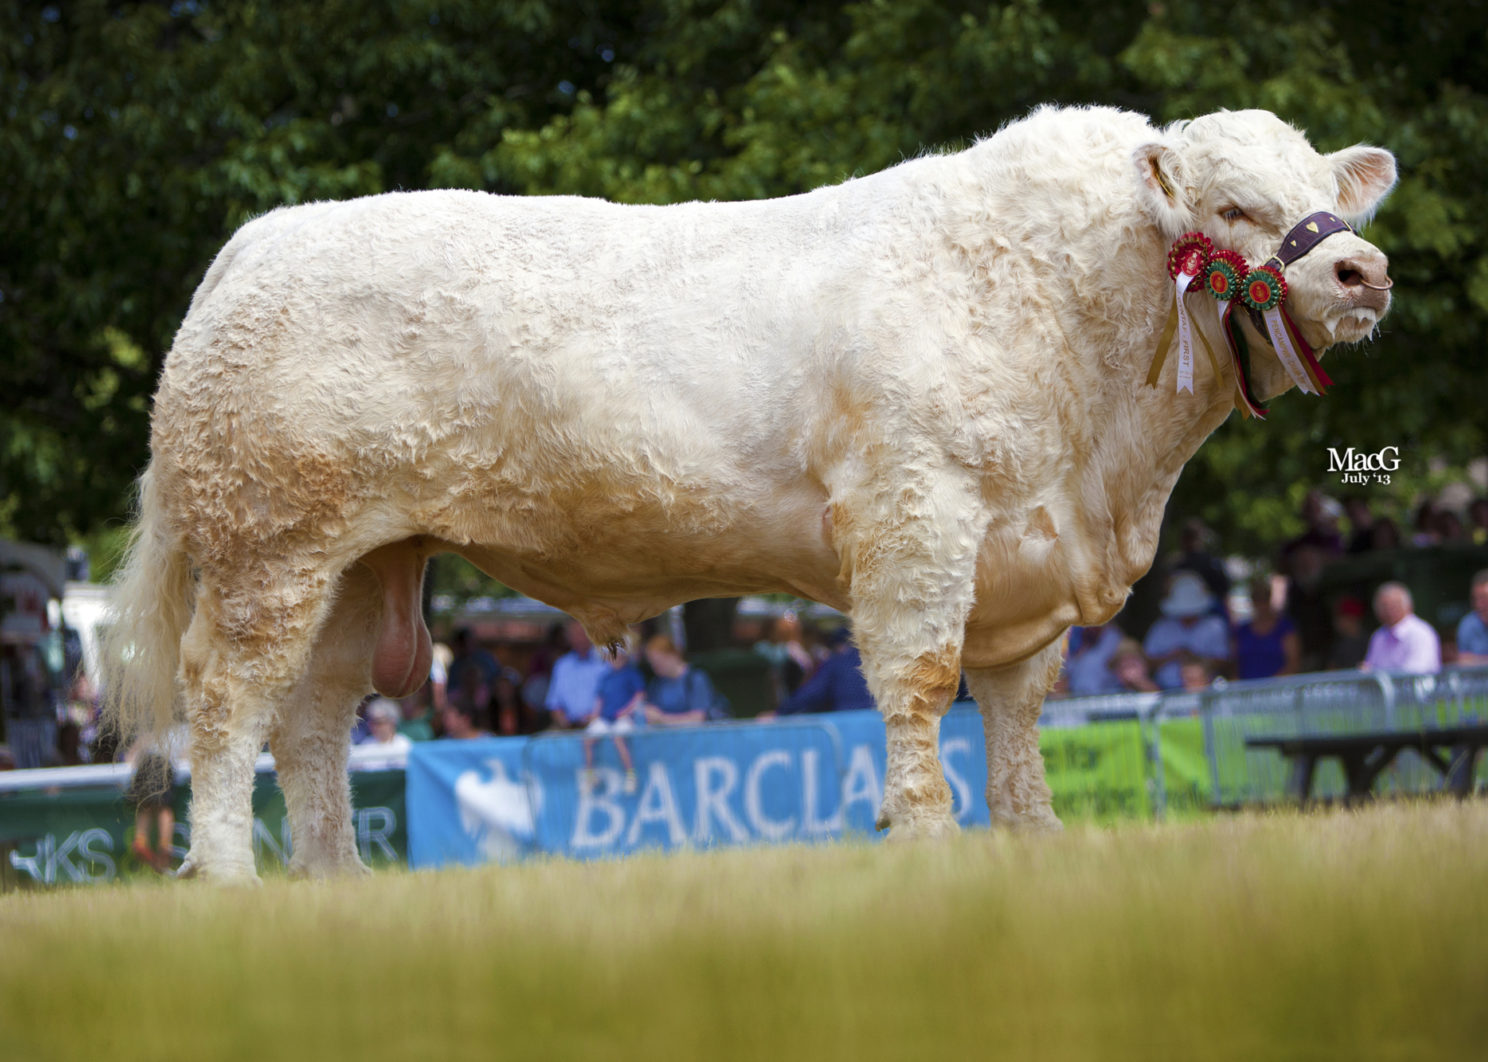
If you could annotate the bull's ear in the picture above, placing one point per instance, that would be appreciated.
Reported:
(1160, 188)
(1365, 176)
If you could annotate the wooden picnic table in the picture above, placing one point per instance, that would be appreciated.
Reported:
(1452, 750)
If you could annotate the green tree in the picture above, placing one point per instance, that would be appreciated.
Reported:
(134, 137)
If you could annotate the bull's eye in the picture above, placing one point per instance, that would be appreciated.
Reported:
(1232, 214)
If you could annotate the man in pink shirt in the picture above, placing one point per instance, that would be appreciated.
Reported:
(1404, 641)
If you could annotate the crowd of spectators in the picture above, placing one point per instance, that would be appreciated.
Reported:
(1289, 620)
(570, 684)
(1285, 623)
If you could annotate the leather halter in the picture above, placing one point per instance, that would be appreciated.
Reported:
(1305, 235)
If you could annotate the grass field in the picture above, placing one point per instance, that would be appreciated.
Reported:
(1335, 935)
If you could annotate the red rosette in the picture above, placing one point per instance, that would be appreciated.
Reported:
(1189, 254)
(1263, 289)
(1227, 270)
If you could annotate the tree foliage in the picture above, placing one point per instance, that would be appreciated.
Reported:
(136, 136)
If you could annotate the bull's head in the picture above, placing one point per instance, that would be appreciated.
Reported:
(1244, 179)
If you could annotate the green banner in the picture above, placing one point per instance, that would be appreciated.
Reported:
(1102, 772)
(1097, 772)
(83, 836)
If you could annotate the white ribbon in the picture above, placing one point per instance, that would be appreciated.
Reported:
(1185, 337)
(1290, 359)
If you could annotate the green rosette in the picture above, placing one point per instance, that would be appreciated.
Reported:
(1263, 289)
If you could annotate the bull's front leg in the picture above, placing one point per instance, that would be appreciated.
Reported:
(1011, 699)
(912, 569)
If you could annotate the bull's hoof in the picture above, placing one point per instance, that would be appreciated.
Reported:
(351, 867)
(1042, 821)
(227, 875)
(908, 826)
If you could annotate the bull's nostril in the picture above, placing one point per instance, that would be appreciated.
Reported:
(1348, 276)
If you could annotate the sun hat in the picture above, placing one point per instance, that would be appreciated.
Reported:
(1187, 596)
(383, 710)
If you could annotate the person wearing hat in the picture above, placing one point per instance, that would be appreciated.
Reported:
(1188, 626)
(383, 737)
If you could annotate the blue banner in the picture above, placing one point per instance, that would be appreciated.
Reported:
(468, 802)
(806, 779)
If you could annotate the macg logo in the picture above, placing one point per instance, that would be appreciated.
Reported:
(1360, 467)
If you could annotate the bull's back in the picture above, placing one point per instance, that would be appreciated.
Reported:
(548, 377)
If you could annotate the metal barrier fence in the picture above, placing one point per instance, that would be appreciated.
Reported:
(1332, 703)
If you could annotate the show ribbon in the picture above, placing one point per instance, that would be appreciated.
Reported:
(1226, 271)
(1264, 290)
(1189, 254)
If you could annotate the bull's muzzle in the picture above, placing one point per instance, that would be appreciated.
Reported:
(1364, 282)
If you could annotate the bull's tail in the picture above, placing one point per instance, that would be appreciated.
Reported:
(152, 605)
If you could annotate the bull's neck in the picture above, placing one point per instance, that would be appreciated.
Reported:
(1150, 432)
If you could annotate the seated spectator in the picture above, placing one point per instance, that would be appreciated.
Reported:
(837, 686)
(462, 719)
(472, 669)
(1386, 534)
(619, 704)
(575, 680)
(790, 661)
(1129, 665)
(1195, 556)
(1404, 641)
(1477, 518)
(1187, 625)
(540, 671)
(1449, 529)
(1361, 524)
(1088, 665)
(416, 721)
(1425, 534)
(1266, 645)
(510, 715)
(1195, 673)
(1320, 516)
(1472, 631)
(383, 716)
(439, 664)
(680, 693)
(1350, 643)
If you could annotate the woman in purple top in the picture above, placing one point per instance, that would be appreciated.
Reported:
(1267, 645)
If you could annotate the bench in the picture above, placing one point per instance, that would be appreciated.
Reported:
(1452, 750)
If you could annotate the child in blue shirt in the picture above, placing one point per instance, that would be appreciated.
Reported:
(622, 691)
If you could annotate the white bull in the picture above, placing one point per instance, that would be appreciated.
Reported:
(917, 396)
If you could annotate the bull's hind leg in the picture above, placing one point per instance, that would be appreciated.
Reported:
(246, 647)
(375, 638)
(1011, 699)
(912, 574)
(311, 735)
